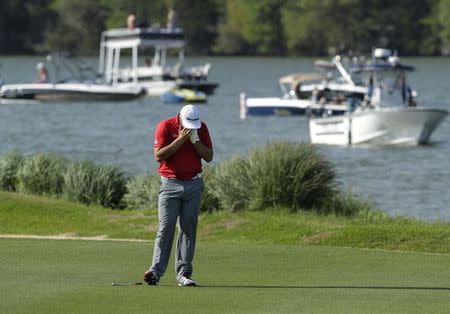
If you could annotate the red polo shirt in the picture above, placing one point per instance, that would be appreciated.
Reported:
(186, 162)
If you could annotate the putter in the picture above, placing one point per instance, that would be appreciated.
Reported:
(139, 283)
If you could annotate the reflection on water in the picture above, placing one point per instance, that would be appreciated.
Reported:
(400, 180)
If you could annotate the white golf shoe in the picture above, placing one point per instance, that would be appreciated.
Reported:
(187, 282)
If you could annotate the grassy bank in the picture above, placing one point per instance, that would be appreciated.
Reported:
(25, 214)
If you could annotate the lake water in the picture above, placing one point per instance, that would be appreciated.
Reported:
(412, 181)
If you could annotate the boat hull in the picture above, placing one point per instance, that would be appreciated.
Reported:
(286, 107)
(383, 126)
(70, 91)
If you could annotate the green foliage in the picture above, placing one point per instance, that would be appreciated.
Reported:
(41, 174)
(347, 204)
(142, 192)
(77, 22)
(9, 163)
(150, 12)
(281, 174)
(230, 39)
(198, 18)
(210, 202)
(231, 184)
(23, 25)
(264, 27)
(438, 28)
(88, 183)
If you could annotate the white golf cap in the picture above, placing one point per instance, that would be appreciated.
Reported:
(39, 66)
(190, 117)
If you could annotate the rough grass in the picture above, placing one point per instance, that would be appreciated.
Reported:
(9, 163)
(88, 183)
(41, 174)
(24, 214)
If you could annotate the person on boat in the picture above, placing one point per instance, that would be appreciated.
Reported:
(412, 94)
(42, 73)
(171, 19)
(315, 96)
(181, 142)
(131, 21)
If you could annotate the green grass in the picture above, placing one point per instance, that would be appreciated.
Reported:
(25, 214)
(54, 276)
(273, 261)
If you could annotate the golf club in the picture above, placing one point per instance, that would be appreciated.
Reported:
(127, 283)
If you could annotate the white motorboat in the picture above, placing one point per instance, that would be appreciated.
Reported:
(157, 76)
(388, 116)
(382, 126)
(307, 93)
(83, 86)
(70, 91)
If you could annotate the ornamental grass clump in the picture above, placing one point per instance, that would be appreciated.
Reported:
(89, 183)
(41, 174)
(9, 164)
(280, 174)
(231, 184)
(210, 201)
(142, 192)
(290, 175)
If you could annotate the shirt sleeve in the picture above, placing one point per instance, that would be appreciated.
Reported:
(204, 136)
(161, 138)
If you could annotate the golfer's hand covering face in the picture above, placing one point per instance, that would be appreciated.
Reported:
(184, 134)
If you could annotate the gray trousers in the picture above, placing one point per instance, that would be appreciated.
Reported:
(177, 199)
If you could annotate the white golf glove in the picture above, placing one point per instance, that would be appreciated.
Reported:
(194, 136)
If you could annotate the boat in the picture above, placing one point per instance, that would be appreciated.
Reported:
(183, 95)
(389, 114)
(305, 93)
(81, 85)
(156, 75)
(70, 92)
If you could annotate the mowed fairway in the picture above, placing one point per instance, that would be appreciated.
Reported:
(74, 276)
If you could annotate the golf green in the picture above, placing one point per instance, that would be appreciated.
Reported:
(75, 276)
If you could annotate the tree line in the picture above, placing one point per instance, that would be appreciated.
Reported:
(234, 27)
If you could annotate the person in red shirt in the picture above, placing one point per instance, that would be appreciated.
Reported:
(181, 142)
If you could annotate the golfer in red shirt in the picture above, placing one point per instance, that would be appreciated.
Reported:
(181, 142)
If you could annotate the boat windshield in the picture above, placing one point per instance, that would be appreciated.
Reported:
(69, 68)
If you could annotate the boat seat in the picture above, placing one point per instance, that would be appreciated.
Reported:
(201, 72)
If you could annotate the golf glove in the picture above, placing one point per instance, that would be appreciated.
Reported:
(194, 136)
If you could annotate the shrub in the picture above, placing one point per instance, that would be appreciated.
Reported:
(210, 202)
(281, 174)
(9, 164)
(41, 174)
(88, 183)
(231, 184)
(142, 192)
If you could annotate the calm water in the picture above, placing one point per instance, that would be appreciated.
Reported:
(411, 181)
